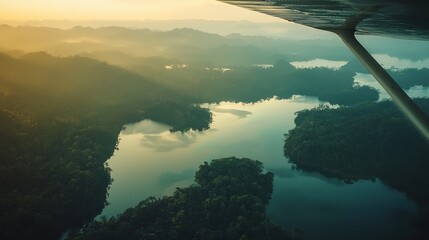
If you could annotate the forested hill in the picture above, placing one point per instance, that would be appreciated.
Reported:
(372, 140)
(48, 87)
(213, 68)
(66, 85)
(60, 118)
(186, 44)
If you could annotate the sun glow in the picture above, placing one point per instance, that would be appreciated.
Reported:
(126, 10)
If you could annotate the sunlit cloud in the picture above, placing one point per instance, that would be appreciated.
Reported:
(145, 127)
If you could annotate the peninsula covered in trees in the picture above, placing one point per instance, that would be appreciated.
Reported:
(371, 140)
(60, 121)
(227, 201)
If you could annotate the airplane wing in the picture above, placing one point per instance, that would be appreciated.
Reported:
(395, 18)
(399, 18)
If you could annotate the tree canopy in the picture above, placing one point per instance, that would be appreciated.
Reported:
(227, 202)
(372, 140)
(60, 121)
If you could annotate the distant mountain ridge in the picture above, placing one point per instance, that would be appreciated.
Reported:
(278, 29)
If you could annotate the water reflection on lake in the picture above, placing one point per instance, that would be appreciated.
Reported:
(365, 79)
(151, 161)
(396, 63)
(324, 63)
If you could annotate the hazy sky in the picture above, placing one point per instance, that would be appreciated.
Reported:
(125, 10)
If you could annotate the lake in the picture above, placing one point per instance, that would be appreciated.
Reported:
(151, 161)
(387, 61)
(366, 79)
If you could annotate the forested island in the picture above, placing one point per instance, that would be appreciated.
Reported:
(371, 140)
(227, 201)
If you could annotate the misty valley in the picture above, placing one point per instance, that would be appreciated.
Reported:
(124, 133)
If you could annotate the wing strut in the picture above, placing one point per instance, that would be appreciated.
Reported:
(402, 100)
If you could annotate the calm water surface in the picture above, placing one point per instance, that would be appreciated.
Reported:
(365, 79)
(151, 161)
